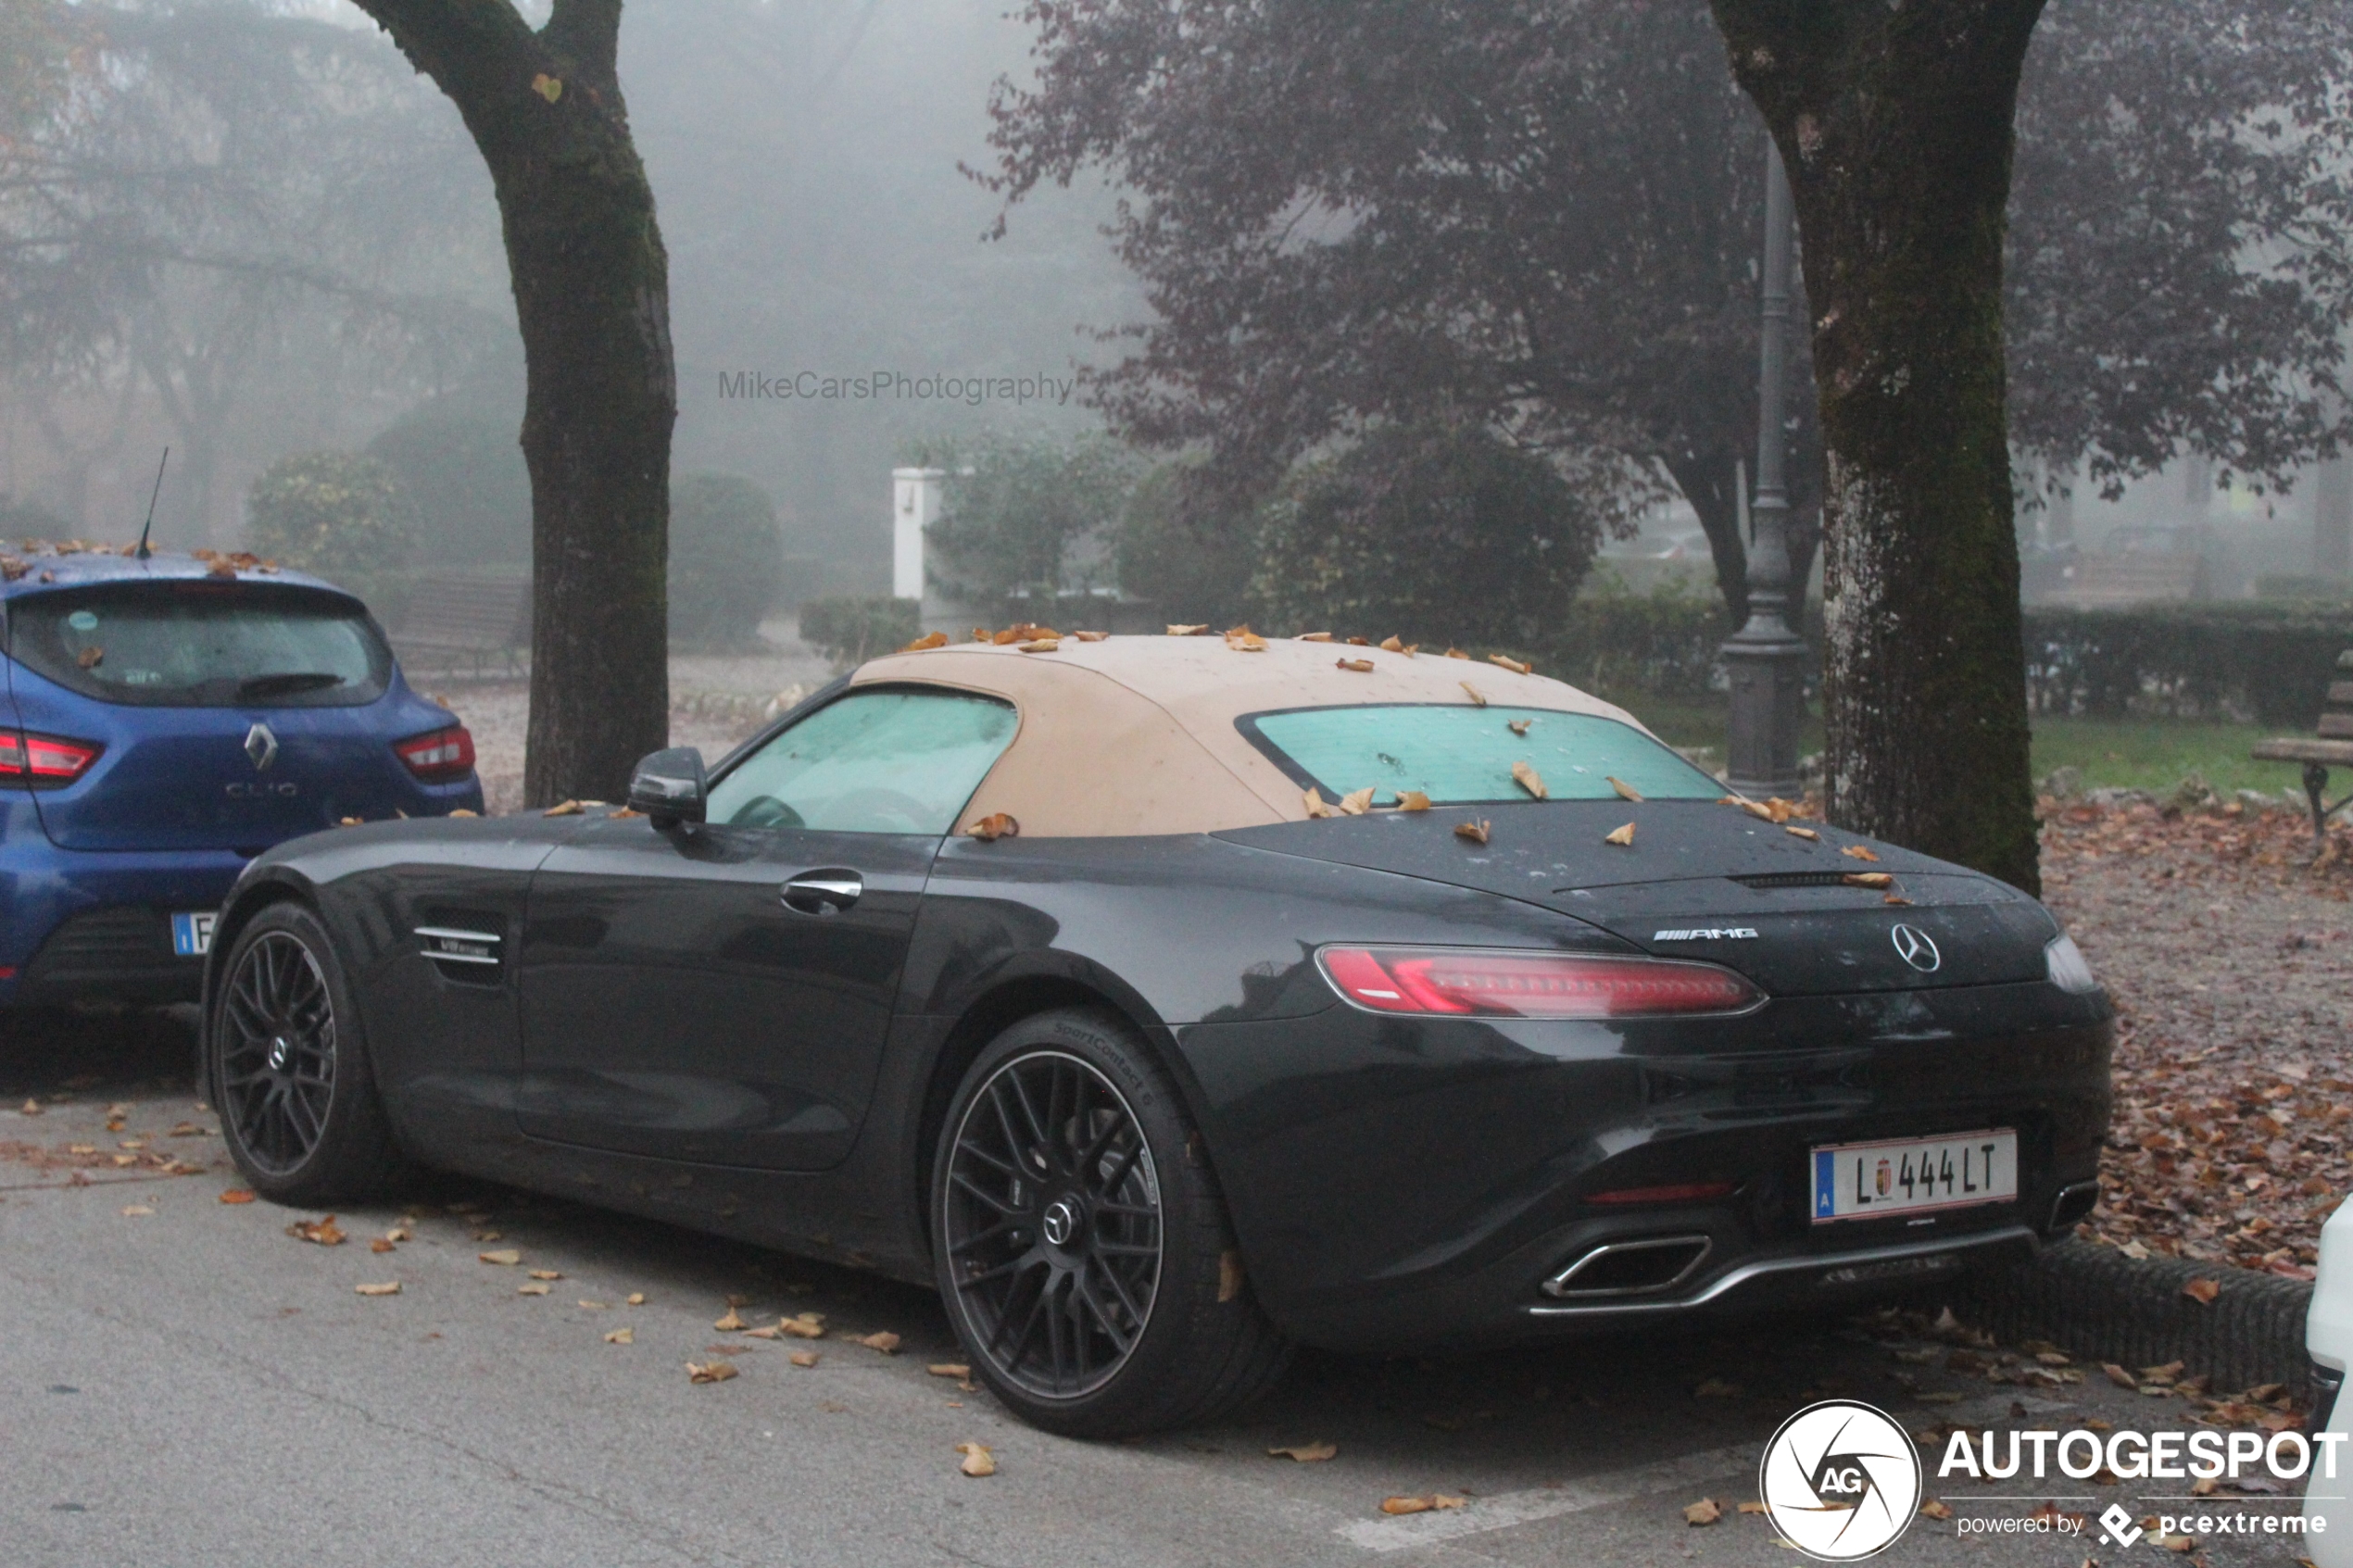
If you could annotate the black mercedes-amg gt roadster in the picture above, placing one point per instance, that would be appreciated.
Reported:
(1167, 1001)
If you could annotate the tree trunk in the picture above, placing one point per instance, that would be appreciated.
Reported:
(1707, 480)
(591, 285)
(1895, 122)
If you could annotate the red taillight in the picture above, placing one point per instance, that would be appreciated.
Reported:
(1684, 1192)
(44, 761)
(444, 754)
(1465, 981)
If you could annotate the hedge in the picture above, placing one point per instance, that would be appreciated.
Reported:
(2271, 662)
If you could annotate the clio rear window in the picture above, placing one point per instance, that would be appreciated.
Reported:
(1455, 754)
(178, 643)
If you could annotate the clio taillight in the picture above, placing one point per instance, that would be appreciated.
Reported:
(44, 761)
(442, 755)
(1472, 982)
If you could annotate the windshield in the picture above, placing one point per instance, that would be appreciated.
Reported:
(202, 645)
(875, 762)
(1456, 754)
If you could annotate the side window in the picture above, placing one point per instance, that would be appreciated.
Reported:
(875, 762)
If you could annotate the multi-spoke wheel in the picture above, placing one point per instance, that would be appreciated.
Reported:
(298, 1108)
(1082, 1246)
(277, 1052)
(1052, 1230)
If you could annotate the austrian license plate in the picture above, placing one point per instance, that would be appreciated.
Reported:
(1865, 1181)
(191, 932)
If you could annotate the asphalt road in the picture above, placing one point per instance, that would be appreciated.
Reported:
(182, 1383)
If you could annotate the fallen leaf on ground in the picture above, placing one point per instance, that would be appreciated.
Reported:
(957, 1370)
(30, 1108)
(2203, 1290)
(802, 1358)
(388, 1287)
(380, 1245)
(545, 1274)
(1412, 800)
(927, 641)
(636, 1298)
(1361, 666)
(1317, 807)
(1708, 1511)
(881, 1339)
(809, 1325)
(1623, 837)
(732, 1324)
(978, 1460)
(1476, 832)
(1305, 1453)
(1801, 832)
(132, 1211)
(1856, 852)
(1936, 1508)
(81, 1148)
(2119, 1376)
(505, 1258)
(564, 808)
(1866, 879)
(1421, 1504)
(1479, 698)
(594, 1306)
(535, 1288)
(321, 1232)
(1752, 1508)
(622, 1337)
(1528, 779)
(1357, 802)
(711, 1372)
(237, 1195)
(1513, 665)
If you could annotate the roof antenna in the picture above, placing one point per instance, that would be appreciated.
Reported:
(148, 527)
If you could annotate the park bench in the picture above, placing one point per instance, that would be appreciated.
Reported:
(465, 617)
(2331, 746)
(2141, 577)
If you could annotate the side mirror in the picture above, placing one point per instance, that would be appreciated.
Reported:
(669, 786)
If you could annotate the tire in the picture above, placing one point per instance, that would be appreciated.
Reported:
(287, 1070)
(1095, 1285)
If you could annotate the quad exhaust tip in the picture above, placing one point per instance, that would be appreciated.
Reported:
(1641, 1267)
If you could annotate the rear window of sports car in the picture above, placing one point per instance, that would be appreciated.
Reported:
(1455, 754)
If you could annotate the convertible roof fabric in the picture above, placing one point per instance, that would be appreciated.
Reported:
(1136, 735)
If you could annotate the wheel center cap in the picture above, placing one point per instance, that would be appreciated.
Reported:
(1061, 1222)
(280, 1049)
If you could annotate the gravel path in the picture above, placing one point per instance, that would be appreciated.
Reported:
(2231, 961)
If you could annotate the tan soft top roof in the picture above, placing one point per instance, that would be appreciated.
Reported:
(1134, 734)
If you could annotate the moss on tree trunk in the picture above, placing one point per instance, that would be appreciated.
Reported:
(1895, 122)
(591, 284)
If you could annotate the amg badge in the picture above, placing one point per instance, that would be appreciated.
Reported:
(1708, 933)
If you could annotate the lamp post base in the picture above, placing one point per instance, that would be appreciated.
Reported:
(1768, 675)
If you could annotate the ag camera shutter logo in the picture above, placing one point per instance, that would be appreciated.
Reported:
(1841, 1480)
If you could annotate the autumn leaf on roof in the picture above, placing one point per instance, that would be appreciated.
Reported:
(994, 826)
(928, 640)
(1201, 630)
(1476, 832)
(1314, 636)
(1520, 726)
(1624, 790)
(1316, 805)
(1856, 852)
(1513, 665)
(1529, 780)
(1090, 636)
(1623, 837)
(1479, 698)
(1357, 802)
(1361, 666)
(1866, 879)
(1412, 800)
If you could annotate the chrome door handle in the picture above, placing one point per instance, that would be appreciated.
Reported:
(822, 893)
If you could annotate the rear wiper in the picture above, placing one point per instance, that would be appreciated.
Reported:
(288, 682)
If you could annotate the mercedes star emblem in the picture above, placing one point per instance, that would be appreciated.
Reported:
(262, 746)
(1913, 946)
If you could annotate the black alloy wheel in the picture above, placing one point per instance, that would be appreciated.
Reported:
(288, 1068)
(1053, 1225)
(1080, 1241)
(277, 1052)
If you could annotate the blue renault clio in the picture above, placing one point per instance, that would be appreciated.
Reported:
(163, 721)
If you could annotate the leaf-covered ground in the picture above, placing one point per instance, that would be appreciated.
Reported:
(2230, 959)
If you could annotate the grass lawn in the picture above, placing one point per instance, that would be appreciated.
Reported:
(2151, 754)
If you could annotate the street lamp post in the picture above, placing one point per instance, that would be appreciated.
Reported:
(1764, 659)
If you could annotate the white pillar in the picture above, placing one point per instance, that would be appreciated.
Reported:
(914, 505)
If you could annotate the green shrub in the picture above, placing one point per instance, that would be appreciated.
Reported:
(1188, 566)
(457, 466)
(2272, 661)
(1436, 534)
(851, 630)
(329, 512)
(1023, 520)
(1660, 644)
(726, 560)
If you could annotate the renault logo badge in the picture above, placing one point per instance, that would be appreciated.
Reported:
(262, 746)
(1913, 946)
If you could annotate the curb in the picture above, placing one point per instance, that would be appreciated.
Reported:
(2102, 1306)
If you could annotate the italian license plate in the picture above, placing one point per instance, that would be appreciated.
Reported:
(191, 932)
(1865, 1181)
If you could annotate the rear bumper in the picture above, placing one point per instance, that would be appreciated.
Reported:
(79, 927)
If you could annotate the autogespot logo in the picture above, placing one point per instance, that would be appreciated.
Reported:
(1841, 1480)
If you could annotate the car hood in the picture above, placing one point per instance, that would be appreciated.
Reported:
(1707, 881)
